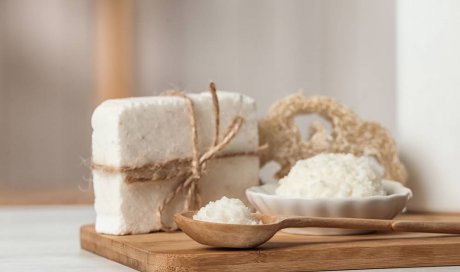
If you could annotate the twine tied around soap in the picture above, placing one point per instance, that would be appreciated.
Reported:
(187, 170)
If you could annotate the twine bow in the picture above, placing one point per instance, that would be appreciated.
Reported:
(199, 161)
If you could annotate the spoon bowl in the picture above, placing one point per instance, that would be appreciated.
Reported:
(228, 235)
(249, 236)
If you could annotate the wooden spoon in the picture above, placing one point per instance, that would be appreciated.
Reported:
(248, 236)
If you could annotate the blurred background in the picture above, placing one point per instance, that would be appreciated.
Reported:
(394, 62)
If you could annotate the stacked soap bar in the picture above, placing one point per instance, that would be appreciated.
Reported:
(134, 132)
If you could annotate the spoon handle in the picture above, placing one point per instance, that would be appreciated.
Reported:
(372, 224)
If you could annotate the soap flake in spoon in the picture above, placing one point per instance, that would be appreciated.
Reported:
(226, 211)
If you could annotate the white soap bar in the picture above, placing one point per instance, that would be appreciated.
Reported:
(139, 131)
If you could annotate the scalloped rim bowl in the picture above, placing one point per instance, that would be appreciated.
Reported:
(263, 198)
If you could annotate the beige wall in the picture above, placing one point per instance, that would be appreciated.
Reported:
(359, 57)
(46, 89)
(269, 49)
(264, 48)
(428, 101)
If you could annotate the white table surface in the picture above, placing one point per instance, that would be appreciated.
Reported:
(47, 239)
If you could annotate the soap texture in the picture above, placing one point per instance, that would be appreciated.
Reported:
(134, 132)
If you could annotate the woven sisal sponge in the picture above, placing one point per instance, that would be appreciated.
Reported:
(349, 134)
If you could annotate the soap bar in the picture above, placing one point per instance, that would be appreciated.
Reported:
(134, 132)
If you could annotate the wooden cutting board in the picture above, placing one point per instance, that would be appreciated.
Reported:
(285, 252)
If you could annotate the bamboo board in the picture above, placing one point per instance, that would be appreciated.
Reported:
(285, 252)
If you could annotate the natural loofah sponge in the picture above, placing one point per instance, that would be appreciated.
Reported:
(349, 134)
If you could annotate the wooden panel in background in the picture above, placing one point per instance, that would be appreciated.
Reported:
(3, 103)
(114, 38)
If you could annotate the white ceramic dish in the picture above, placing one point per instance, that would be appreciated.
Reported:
(263, 198)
